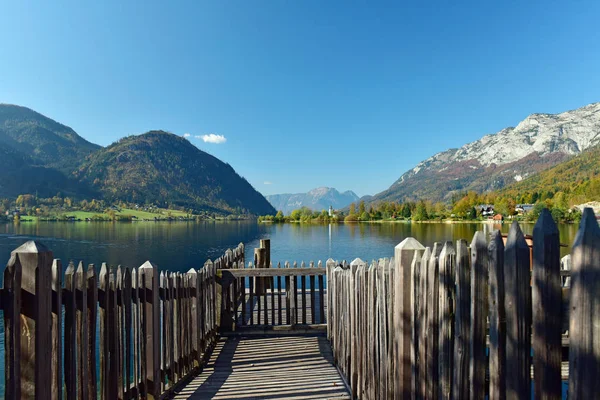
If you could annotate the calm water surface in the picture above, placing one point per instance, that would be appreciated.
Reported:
(179, 246)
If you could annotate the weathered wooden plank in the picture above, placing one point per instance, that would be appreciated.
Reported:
(462, 340)
(584, 329)
(193, 315)
(321, 296)
(329, 266)
(312, 295)
(70, 366)
(36, 319)
(415, 322)
(149, 273)
(57, 312)
(517, 303)
(105, 328)
(403, 256)
(446, 298)
(303, 288)
(279, 305)
(113, 336)
(119, 333)
(497, 316)
(546, 301)
(82, 331)
(251, 319)
(295, 314)
(422, 305)
(12, 327)
(479, 292)
(136, 331)
(126, 298)
(288, 295)
(432, 320)
(230, 274)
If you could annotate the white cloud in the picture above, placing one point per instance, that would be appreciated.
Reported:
(212, 138)
(268, 183)
(186, 135)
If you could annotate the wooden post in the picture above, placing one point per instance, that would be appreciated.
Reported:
(446, 321)
(70, 335)
(462, 340)
(517, 302)
(432, 340)
(260, 259)
(194, 315)
(403, 256)
(266, 244)
(479, 293)
(497, 318)
(584, 350)
(35, 262)
(415, 322)
(82, 331)
(546, 301)
(57, 312)
(151, 324)
(422, 326)
(12, 328)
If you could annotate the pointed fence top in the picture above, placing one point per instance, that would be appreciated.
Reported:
(447, 250)
(479, 239)
(148, 265)
(357, 262)
(410, 243)
(515, 236)
(32, 246)
(545, 224)
(587, 226)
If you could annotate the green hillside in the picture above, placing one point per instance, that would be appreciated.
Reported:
(45, 141)
(160, 167)
(574, 181)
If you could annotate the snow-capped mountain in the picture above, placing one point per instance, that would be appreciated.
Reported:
(538, 142)
(317, 199)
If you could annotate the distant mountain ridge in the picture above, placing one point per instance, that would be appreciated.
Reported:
(538, 142)
(41, 156)
(317, 199)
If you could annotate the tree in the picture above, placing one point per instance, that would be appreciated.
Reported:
(352, 209)
(279, 216)
(365, 216)
(361, 207)
(406, 213)
(420, 212)
(472, 213)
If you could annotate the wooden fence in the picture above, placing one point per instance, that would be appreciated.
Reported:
(420, 325)
(282, 296)
(155, 329)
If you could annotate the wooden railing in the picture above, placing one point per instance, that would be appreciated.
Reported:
(263, 298)
(155, 328)
(418, 325)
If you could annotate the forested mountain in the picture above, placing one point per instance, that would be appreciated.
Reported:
(572, 182)
(494, 161)
(161, 167)
(45, 141)
(41, 156)
(317, 199)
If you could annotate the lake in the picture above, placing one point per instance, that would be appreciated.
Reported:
(179, 246)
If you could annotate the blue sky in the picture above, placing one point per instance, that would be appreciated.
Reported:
(307, 93)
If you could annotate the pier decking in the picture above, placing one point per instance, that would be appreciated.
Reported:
(273, 367)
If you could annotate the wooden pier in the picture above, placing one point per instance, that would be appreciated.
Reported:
(455, 321)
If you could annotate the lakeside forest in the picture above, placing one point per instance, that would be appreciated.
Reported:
(468, 208)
